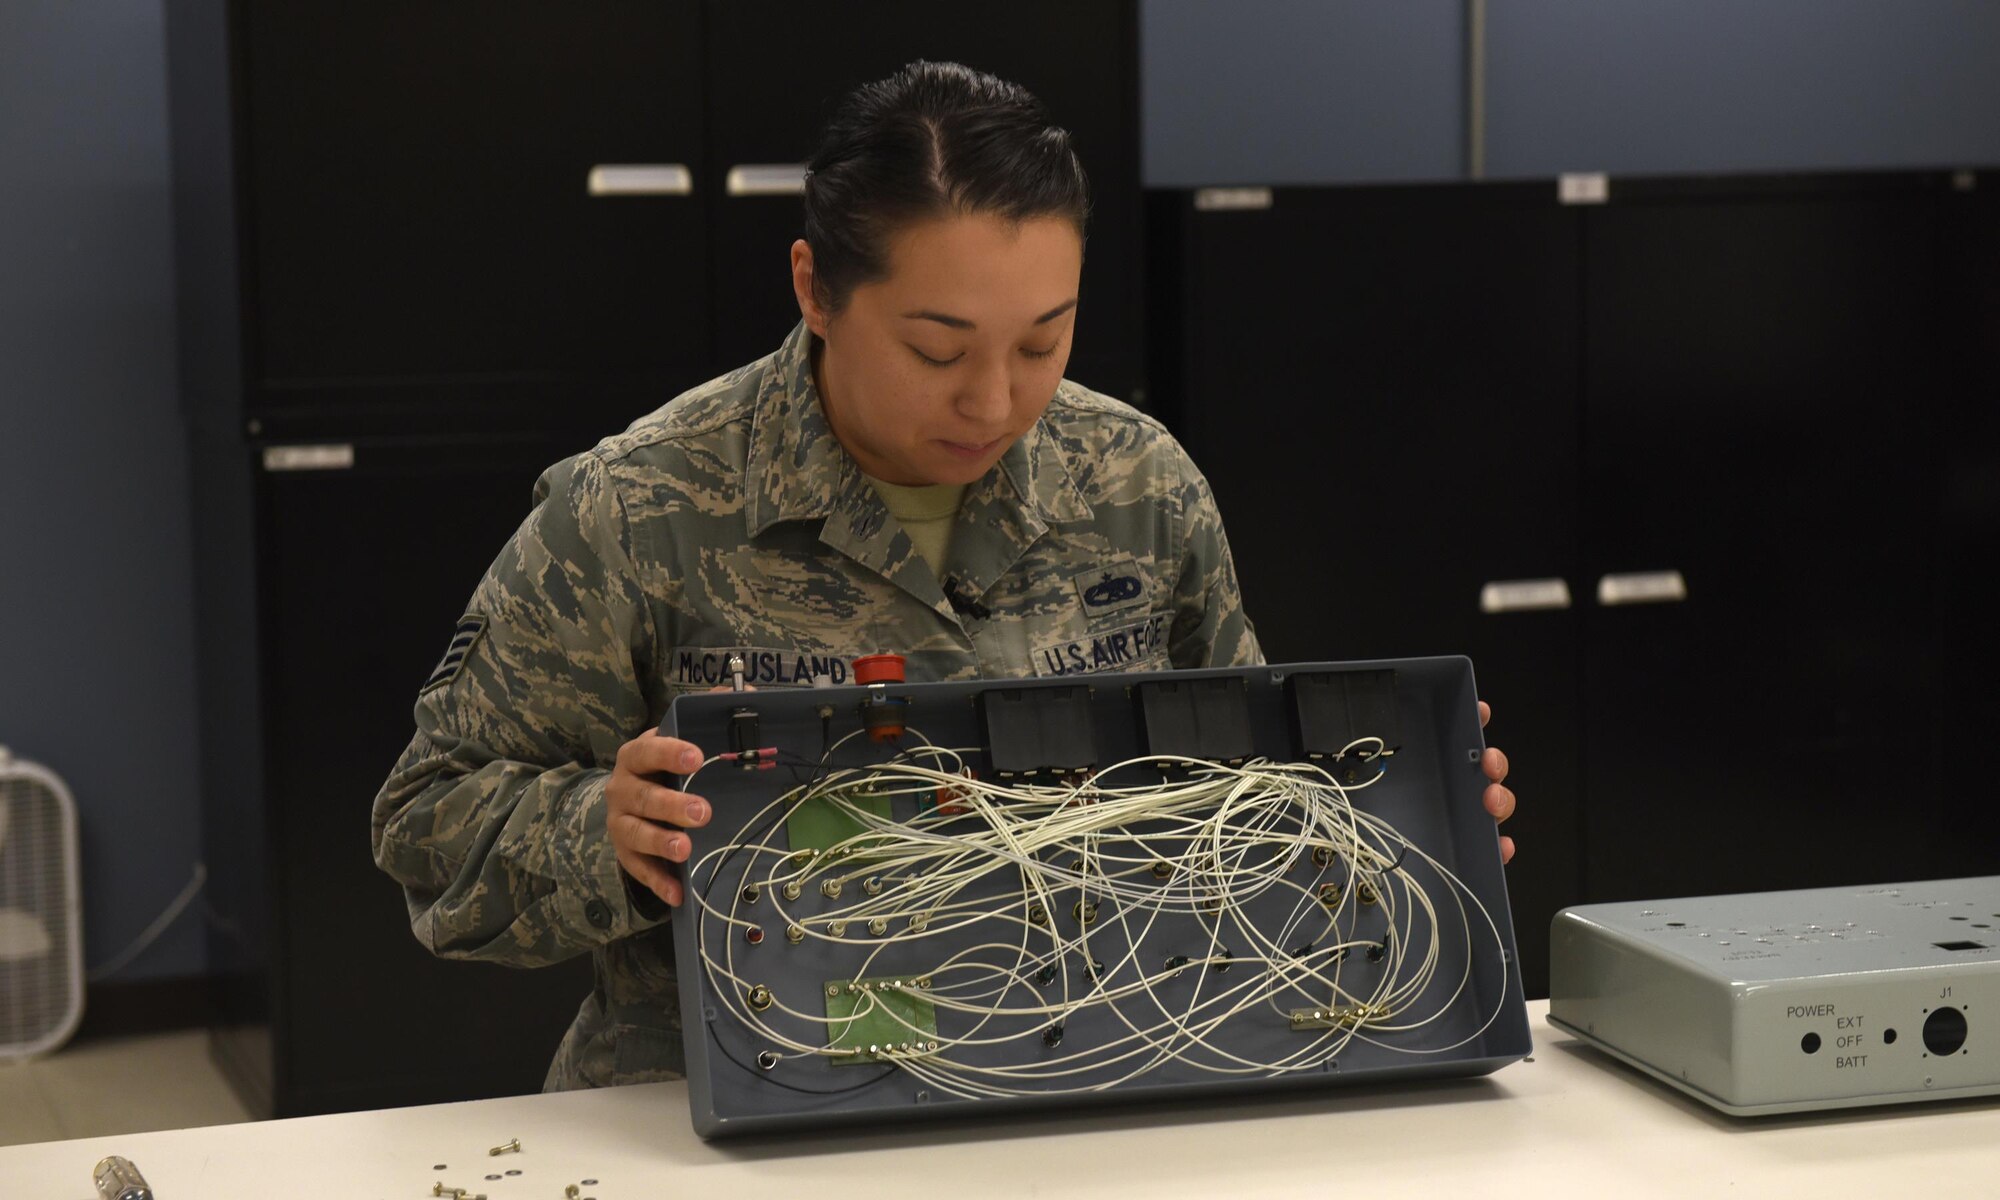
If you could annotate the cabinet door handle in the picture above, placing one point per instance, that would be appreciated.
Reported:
(766, 179)
(335, 456)
(1523, 595)
(635, 179)
(1642, 587)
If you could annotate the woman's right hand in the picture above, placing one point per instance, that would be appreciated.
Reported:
(648, 821)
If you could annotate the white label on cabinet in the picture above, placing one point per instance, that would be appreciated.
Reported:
(309, 458)
(1232, 199)
(1523, 595)
(1642, 587)
(766, 179)
(1584, 189)
(667, 179)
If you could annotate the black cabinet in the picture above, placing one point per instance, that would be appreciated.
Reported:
(1762, 387)
(1380, 385)
(365, 553)
(455, 197)
(1746, 425)
(1968, 639)
(419, 179)
(424, 250)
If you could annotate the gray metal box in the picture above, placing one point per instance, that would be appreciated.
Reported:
(1785, 1001)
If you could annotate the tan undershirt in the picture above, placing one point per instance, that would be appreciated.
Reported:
(926, 513)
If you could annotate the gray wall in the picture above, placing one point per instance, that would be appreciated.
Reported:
(1333, 91)
(96, 625)
(1639, 87)
(1301, 91)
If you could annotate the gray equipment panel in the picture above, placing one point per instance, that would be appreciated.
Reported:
(1787, 1001)
(1430, 790)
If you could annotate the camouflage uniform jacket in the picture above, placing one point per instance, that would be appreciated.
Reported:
(732, 520)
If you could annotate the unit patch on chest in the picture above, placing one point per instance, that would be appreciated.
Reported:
(1114, 587)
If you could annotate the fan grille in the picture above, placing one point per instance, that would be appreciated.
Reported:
(39, 1003)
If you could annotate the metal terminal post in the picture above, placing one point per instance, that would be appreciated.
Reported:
(116, 1178)
(512, 1147)
(1344, 1016)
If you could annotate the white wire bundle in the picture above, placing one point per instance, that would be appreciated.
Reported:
(1091, 859)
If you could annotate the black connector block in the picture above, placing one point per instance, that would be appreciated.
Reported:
(743, 730)
(1203, 719)
(1037, 731)
(1333, 710)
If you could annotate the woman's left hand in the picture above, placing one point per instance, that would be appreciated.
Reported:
(1499, 799)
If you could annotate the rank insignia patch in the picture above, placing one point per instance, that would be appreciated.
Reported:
(470, 627)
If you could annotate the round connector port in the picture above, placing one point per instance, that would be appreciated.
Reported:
(1944, 1031)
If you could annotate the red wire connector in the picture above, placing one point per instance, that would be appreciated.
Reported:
(951, 800)
(878, 668)
(762, 759)
(881, 715)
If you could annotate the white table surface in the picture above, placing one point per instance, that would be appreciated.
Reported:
(1568, 1123)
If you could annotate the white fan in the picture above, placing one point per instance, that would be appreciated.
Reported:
(41, 922)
